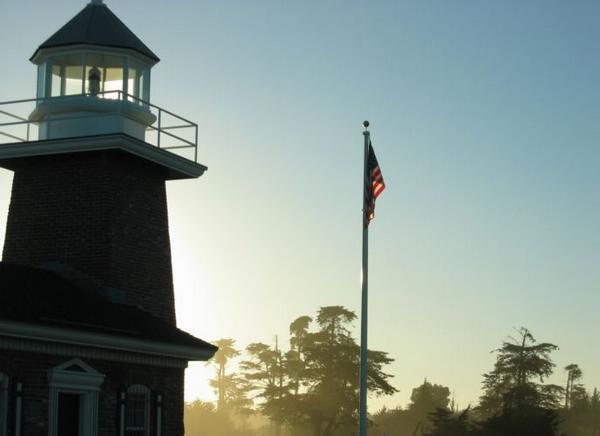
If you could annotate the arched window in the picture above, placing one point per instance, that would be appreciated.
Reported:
(137, 411)
(3, 404)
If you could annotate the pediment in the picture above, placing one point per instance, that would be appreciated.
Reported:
(75, 373)
(77, 366)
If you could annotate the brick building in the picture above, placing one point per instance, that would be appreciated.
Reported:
(88, 338)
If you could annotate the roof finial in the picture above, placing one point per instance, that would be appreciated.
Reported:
(96, 2)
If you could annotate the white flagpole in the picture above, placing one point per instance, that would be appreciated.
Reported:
(363, 422)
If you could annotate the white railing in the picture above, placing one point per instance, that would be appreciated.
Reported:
(15, 125)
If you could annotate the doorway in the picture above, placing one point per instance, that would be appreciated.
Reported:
(69, 414)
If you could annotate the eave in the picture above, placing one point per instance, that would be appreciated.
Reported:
(98, 340)
(177, 167)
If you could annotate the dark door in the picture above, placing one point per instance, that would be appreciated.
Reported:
(68, 414)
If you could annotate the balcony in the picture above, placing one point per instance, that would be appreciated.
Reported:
(111, 119)
(89, 115)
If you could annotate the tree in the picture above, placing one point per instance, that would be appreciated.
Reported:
(266, 375)
(447, 423)
(429, 397)
(231, 389)
(582, 417)
(390, 421)
(416, 419)
(315, 383)
(574, 374)
(516, 401)
(528, 421)
(424, 401)
(517, 379)
(331, 358)
(594, 414)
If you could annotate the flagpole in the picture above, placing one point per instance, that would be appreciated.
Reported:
(363, 422)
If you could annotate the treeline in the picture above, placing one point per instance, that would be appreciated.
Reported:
(516, 401)
(311, 389)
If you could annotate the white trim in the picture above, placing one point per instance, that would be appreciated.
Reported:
(128, 57)
(42, 54)
(79, 337)
(86, 352)
(85, 382)
(64, 377)
(146, 88)
(122, 414)
(179, 167)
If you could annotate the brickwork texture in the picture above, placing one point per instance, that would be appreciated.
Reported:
(31, 370)
(103, 214)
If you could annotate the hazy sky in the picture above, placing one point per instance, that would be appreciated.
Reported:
(485, 119)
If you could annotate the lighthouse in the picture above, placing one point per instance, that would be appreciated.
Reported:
(89, 343)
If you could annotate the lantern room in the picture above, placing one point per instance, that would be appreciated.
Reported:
(98, 73)
(94, 65)
(92, 93)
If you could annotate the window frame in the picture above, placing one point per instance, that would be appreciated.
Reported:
(136, 389)
(45, 88)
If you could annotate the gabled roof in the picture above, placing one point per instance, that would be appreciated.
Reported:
(96, 25)
(44, 298)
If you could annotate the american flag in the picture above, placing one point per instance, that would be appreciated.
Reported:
(374, 185)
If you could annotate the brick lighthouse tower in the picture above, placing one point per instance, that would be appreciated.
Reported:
(88, 338)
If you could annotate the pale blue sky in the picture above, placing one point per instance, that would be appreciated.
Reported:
(485, 120)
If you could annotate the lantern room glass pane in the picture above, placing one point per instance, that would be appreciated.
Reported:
(56, 81)
(113, 76)
(67, 75)
(73, 79)
(133, 83)
(144, 84)
(41, 88)
(104, 75)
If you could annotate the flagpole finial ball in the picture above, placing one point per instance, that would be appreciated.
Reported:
(365, 124)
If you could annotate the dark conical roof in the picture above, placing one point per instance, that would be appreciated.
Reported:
(97, 25)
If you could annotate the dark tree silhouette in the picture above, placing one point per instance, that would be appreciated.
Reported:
(267, 377)
(231, 389)
(582, 417)
(574, 374)
(527, 421)
(416, 419)
(447, 423)
(517, 379)
(516, 401)
(312, 389)
(315, 383)
(428, 397)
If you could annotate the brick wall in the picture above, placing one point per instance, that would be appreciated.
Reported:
(31, 370)
(102, 213)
